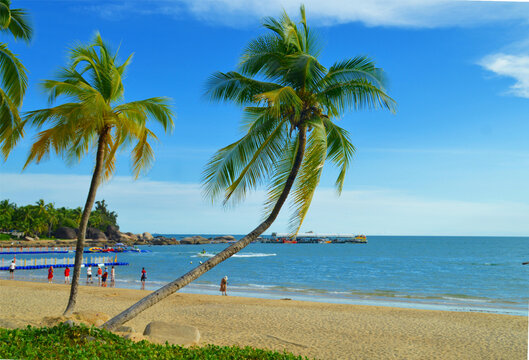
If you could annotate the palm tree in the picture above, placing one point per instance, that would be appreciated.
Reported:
(96, 118)
(13, 78)
(289, 130)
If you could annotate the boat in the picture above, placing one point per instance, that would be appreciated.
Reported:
(315, 238)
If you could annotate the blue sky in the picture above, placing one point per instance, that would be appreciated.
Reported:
(454, 160)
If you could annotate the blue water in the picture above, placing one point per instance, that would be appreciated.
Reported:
(446, 273)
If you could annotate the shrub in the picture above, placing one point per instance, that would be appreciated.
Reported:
(81, 342)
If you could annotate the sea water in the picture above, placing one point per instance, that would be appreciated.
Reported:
(445, 273)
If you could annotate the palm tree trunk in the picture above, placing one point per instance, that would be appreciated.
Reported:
(194, 274)
(96, 179)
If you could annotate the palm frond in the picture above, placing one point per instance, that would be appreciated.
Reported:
(235, 87)
(226, 165)
(20, 25)
(12, 75)
(356, 95)
(340, 150)
(309, 174)
(157, 109)
(258, 168)
(281, 171)
(11, 125)
(281, 99)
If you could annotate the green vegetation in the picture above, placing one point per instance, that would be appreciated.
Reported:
(81, 342)
(13, 77)
(43, 219)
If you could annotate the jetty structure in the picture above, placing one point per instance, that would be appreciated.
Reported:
(311, 238)
(44, 263)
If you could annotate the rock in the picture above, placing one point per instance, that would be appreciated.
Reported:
(178, 334)
(95, 234)
(28, 238)
(194, 240)
(134, 336)
(113, 233)
(132, 236)
(65, 233)
(147, 236)
(224, 238)
(125, 329)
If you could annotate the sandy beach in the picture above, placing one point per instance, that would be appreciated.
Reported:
(317, 330)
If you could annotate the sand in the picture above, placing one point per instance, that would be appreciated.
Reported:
(317, 330)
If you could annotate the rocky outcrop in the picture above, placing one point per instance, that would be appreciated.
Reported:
(113, 233)
(65, 233)
(194, 240)
(223, 239)
(177, 334)
(147, 236)
(95, 234)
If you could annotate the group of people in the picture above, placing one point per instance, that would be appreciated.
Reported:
(101, 276)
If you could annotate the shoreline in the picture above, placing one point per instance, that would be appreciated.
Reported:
(317, 330)
(404, 302)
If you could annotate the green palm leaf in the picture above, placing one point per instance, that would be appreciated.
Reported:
(309, 174)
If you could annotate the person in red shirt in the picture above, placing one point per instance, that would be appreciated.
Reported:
(143, 278)
(50, 274)
(67, 275)
(104, 278)
(99, 273)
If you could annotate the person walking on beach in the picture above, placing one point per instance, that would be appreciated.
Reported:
(88, 275)
(67, 275)
(112, 277)
(50, 274)
(99, 273)
(12, 267)
(104, 278)
(224, 286)
(143, 278)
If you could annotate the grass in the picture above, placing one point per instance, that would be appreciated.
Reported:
(81, 342)
(5, 237)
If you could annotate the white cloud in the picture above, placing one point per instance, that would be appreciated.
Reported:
(414, 13)
(169, 207)
(513, 66)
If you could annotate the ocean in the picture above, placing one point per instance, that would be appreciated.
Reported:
(443, 273)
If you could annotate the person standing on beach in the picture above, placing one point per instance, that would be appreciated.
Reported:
(67, 275)
(12, 267)
(224, 286)
(112, 277)
(50, 274)
(88, 275)
(104, 278)
(143, 278)
(99, 273)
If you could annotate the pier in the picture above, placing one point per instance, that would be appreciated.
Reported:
(36, 250)
(44, 263)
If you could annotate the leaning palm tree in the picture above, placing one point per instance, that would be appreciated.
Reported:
(95, 119)
(13, 78)
(289, 131)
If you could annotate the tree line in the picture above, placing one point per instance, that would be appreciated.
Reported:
(42, 219)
